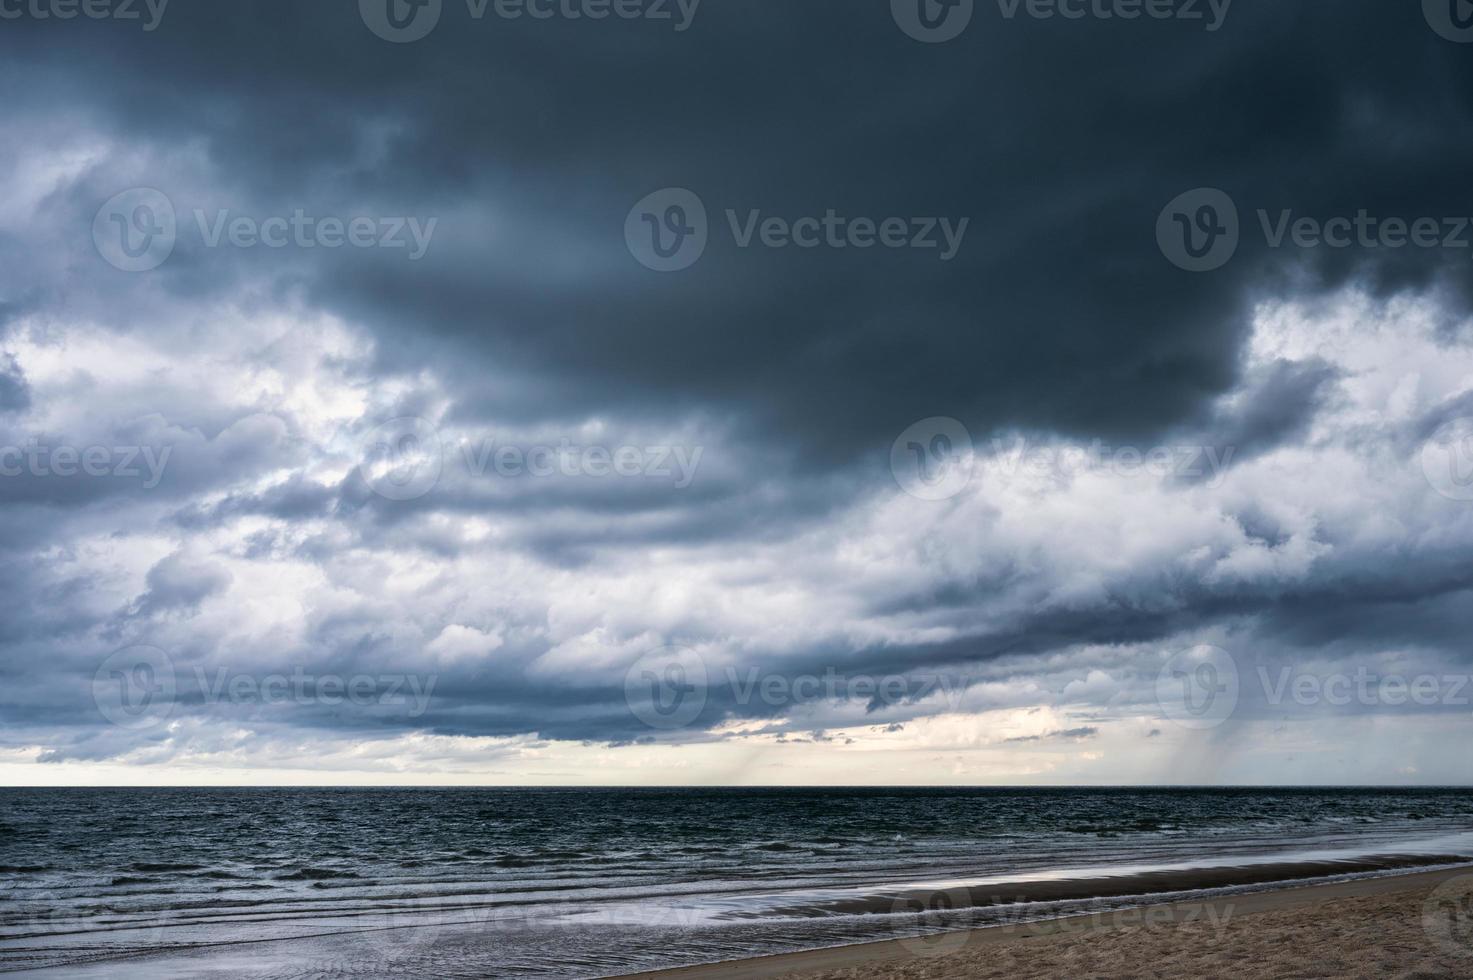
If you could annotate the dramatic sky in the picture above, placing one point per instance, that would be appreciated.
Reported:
(356, 428)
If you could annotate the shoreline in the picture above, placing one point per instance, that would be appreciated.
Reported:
(873, 958)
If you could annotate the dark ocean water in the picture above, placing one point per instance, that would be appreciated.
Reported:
(588, 883)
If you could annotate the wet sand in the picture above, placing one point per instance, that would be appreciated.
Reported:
(1413, 927)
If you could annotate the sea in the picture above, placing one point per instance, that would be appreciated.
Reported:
(582, 883)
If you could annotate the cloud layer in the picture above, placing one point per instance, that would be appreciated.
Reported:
(512, 474)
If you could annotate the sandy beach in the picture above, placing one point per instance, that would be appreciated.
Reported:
(1415, 927)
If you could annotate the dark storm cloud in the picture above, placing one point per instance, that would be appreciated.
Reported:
(1086, 731)
(14, 393)
(1060, 140)
(1277, 409)
(178, 583)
